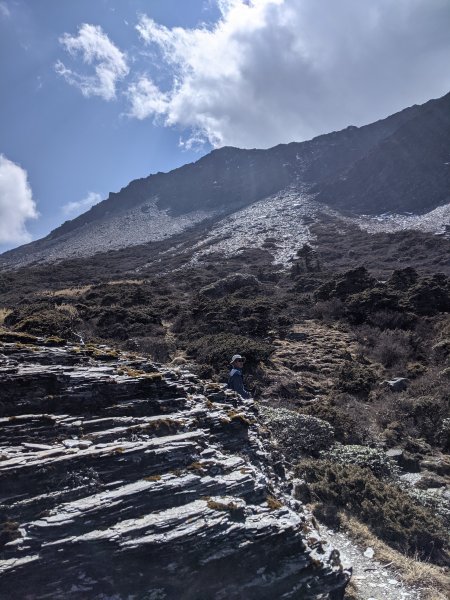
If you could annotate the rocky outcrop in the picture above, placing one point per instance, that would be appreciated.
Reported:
(406, 171)
(122, 479)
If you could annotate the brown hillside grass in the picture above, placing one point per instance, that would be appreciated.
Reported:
(4, 312)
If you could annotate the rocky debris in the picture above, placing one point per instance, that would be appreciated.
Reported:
(399, 384)
(371, 579)
(125, 479)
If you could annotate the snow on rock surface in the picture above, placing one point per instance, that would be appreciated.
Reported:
(437, 221)
(279, 224)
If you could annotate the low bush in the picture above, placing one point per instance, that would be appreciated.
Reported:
(389, 512)
(355, 378)
(295, 433)
(362, 456)
(230, 284)
(391, 348)
(343, 412)
(216, 350)
(45, 322)
(425, 415)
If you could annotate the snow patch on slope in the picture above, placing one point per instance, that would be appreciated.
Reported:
(437, 221)
(279, 224)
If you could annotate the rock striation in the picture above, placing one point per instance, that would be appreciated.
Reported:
(123, 479)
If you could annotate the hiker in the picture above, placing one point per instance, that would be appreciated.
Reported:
(235, 379)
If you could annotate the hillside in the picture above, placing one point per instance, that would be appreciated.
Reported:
(395, 164)
(121, 352)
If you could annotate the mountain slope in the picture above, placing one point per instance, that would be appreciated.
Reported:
(396, 163)
(407, 171)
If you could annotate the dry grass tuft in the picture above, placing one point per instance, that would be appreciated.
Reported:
(433, 581)
(4, 312)
(72, 292)
(126, 281)
(68, 309)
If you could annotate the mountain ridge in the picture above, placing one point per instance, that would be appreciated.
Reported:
(351, 170)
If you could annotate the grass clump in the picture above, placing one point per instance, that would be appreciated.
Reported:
(273, 503)
(235, 510)
(4, 312)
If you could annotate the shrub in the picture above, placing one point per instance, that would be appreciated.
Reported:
(426, 415)
(430, 295)
(345, 420)
(392, 348)
(216, 350)
(390, 513)
(355, 378)
(230, 284)
(391, 319)
(48, 322)
(346, 284)
(441, 351)
(158, 348)
(328, 310)
(362, 456)
(296, 433)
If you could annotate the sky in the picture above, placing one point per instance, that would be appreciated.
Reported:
(96, 93)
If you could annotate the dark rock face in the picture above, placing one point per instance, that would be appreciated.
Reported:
(123, 480)
(407, 171)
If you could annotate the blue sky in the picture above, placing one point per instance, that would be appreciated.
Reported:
(95, 93)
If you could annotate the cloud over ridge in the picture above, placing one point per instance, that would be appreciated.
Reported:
(96, 49)
(72, 208)
(272, 71)
(16, 202)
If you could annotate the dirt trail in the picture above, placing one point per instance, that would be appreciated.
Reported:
(372, 579)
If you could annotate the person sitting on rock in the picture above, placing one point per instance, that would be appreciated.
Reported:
(235, 379)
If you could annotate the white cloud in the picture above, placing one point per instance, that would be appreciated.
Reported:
(110, 64)
(4, 10)
(147, 99)
(273, 71)
(16, 203)
(82, 205)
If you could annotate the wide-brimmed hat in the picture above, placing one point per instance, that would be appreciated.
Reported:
(237, 357)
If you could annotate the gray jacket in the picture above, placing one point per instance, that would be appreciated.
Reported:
(236, 383)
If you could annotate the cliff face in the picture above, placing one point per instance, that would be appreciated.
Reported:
(122, 479)
(409, 170)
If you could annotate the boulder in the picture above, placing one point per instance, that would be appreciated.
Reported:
(399, 384)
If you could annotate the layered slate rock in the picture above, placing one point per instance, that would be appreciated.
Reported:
(120, 479)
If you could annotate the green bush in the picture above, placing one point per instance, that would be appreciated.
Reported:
(216, 350)
(426, 415)
(345, 421)
(355, 378)
(390, 513)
